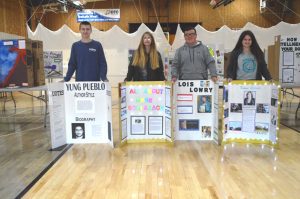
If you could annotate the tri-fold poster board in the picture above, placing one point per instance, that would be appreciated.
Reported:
(251, 112)
(80, 112)
(289, 61)
(195, 109)
(146, 111)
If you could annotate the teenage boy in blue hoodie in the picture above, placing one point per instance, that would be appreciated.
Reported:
(193, 59)
(87, 58)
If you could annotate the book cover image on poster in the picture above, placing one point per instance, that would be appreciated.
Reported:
(226, 127)
(226, 113)
(206, 131)
(262, 108)
(204, 103)
(123, 102)
(261, 127)
(274, 102)
(235, 126)
(78, 131)
(249, 98)
(236, 107)
(188, 125)
(225, 94)
(273, 118)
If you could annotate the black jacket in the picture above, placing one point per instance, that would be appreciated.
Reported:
(135, 72)
(262, 69)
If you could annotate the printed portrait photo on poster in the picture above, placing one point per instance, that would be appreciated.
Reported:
(78, 130)
(204, 103)
(249, 98)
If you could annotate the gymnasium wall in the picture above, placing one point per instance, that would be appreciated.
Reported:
(13, 17)
(234, 15)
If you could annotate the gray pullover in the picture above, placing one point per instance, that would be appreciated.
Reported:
(192, 62)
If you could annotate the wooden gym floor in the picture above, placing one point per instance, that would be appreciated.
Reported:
(189, 169)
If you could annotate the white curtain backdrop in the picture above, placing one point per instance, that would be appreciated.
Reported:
(116, 42)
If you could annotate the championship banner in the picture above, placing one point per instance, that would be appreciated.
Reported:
(194, 100)
(98, 15)
(251, 112)
(56, 106)
(289, 61)
(145, 111)
(88, 112)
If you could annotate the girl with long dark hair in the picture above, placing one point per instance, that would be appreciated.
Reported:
(247, 60)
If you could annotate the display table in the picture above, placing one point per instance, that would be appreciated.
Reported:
(196, 104)
(145, 112)
(251, 112)
(26, 91)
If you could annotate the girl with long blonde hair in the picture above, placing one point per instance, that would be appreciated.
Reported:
(146, 64)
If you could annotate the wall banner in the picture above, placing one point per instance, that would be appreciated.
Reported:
(98, 15)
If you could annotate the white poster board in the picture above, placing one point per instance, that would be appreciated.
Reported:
(194, 100)
(217, 52)
(88, 112)
(53, 64)
(56, 106)
(251, 112)
(145, 111)
(289, 61)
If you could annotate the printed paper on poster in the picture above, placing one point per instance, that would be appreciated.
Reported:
(248, 120)
(155, 125)
(168, 97)
(168, 126)
(287, 75)
(138, 125)
(288, 58)
(184, 109)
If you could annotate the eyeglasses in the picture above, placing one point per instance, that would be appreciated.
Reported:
(189, 34)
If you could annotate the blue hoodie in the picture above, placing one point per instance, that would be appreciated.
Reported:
(88, 60)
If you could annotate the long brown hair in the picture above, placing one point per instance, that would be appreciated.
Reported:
(140, 58)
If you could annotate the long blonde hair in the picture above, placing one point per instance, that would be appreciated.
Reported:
(140, 58)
